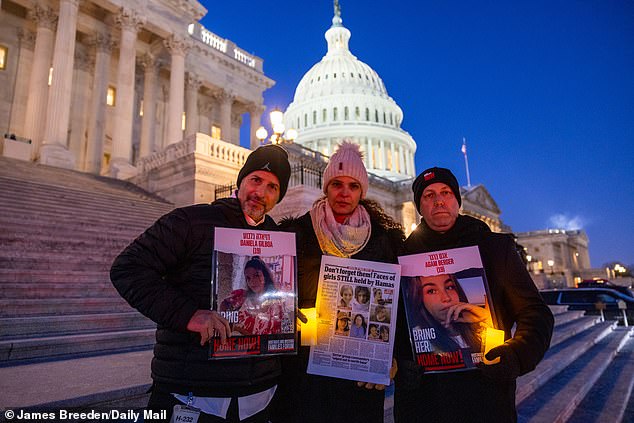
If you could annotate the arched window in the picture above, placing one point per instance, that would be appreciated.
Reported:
(384, 118)
(367, 114)
(323, 115)
(391, 119)
(314, 117)
(376, 116)
(305, 119)
(334, 114)
(345, 113)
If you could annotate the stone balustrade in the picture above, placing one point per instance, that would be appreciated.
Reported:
(199, 144)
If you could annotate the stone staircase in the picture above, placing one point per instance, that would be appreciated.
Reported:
(67, 340)
(59, 232)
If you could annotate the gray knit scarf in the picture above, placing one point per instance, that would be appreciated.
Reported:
(336, 239)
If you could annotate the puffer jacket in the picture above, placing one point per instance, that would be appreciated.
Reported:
(166, 274)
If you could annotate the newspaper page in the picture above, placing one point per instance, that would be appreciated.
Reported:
(356, 320)
(448, 308)
(254, 287)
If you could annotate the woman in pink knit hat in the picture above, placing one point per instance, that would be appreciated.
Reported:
(342, 223)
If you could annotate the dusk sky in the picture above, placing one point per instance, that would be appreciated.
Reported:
(543, 91)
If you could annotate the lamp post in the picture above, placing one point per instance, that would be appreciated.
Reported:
(280, 134)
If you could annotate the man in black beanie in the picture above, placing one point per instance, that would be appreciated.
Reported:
(166, 273)
(488, 392)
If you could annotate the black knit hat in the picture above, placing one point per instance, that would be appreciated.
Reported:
(431, 176)
(271, 158)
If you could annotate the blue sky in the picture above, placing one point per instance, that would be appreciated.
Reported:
(543, 91)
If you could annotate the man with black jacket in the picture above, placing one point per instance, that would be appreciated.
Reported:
(165, 274)
(487, 393)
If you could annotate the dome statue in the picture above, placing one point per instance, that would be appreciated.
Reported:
(341, 97)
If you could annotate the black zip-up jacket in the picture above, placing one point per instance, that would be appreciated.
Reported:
(166, 274)
(469, 395)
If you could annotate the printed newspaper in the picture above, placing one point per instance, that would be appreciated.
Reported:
(356, 320)
(254, 287)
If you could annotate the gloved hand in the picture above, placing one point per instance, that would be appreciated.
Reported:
(508, 369)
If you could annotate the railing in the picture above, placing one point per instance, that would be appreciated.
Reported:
(223, 45)
(224, 191)
(302, 174)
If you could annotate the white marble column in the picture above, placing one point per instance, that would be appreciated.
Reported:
(412, 163)
(368, 155)
(54, 149)
(255, 115)
(401, 161)
(80, 101)
(34, 122)
(21, 90)
(120, 163)
(225, 98)
(148, 123)
(178, 47)
(193, 83)
(382, 155)
(103, 45)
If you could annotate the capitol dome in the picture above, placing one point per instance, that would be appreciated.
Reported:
(341, 97)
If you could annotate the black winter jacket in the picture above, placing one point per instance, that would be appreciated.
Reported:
(166, 275)
(468, 395)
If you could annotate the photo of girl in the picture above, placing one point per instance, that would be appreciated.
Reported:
(345, 292)
(361, 301)
(443, 305)
(384, 333)
(359, 327)
(343, 323)
(373, 332)
(377, 296)
(260, 310)
(380, 314)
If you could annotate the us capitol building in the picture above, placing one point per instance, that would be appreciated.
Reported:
(140, 90)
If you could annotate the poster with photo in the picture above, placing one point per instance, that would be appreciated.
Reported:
(356, 306)
(448, 308)
(254, 286)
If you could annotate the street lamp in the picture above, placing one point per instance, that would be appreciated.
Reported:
(551, 263)
(280, 134)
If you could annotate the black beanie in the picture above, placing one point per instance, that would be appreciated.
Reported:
(431, 176)
(271, 158)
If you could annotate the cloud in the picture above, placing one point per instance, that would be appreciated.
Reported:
(564, 221)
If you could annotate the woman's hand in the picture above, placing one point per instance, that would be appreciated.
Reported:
(466, 313)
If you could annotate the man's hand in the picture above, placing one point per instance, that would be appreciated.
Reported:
(508, 369)
(209, 323)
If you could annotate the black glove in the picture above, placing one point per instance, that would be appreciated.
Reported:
(508, 369)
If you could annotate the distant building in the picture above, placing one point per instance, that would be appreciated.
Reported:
(556, 257)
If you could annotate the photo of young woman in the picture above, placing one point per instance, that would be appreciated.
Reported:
(373, 332)
(443, 306)
(361, 301)
(342, 327)
(358, 327)
(345, 294)
(258, 313)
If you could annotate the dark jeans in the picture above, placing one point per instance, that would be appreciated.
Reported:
(163, 401)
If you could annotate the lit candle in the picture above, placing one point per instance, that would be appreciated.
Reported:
(309, 329)
(493, 338)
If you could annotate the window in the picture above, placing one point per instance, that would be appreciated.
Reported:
(376, 116)
(334, 114)
(305, 119)
(345, 113)
(183, 121)
(141, 109)
(357, 112)
(216, 132)
(367, 114)
(50, 76)
(323, 115)
(4, 53)
(314, 117)
(111, 95)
